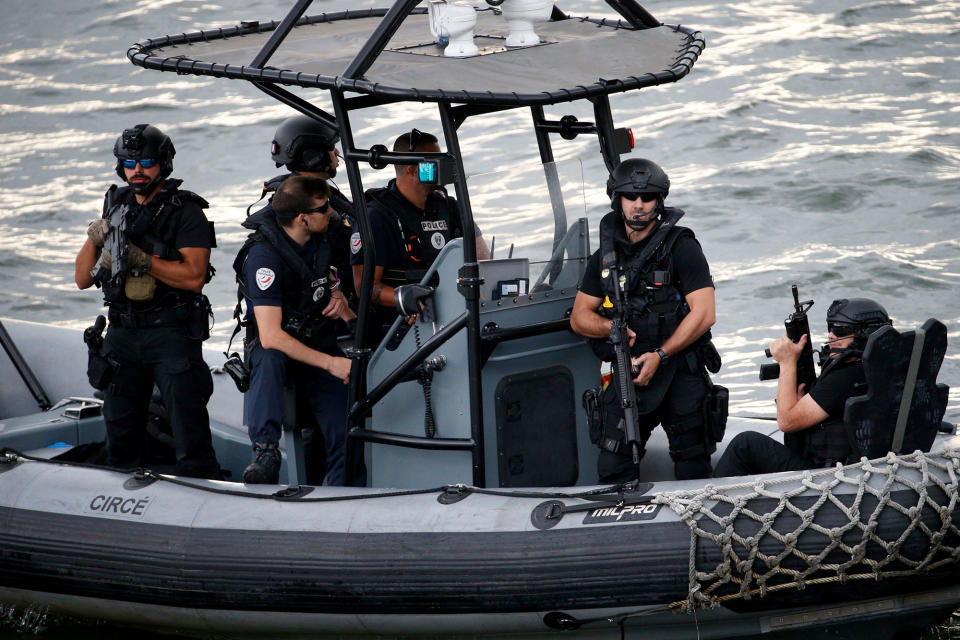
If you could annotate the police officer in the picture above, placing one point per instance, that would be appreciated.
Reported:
(815, 419)
(670, 298)
(150, 252)
(293, 297)
(410, 223)
(307, 147)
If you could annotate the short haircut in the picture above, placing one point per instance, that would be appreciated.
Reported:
(420, 141)
(297, 194)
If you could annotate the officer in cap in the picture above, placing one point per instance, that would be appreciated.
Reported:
(817, 416)
(293, 298)
(308, 147)
(150, 253)
(669, 295)
(410, 222)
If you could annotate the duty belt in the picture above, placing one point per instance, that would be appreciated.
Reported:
(148, 319)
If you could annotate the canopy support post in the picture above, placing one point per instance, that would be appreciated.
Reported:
(553, 184)
(360, 351)
(604, 120)
(468, 284)
(378, 41)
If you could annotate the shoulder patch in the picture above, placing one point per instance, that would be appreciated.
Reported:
(265, 278)
(355, 243)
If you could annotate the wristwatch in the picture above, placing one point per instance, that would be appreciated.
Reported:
(664, 358)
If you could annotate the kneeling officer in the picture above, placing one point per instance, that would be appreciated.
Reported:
(293, 297)
(150, 252)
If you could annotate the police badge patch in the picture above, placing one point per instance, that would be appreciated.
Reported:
(355, 244)
(265, 278)
(437, 240)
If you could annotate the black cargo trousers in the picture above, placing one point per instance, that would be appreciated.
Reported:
(682, 414)
(169, 358)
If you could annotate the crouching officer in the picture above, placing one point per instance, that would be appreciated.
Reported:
(293, 297)
(812, 423)
(150, 253)
(669, 299)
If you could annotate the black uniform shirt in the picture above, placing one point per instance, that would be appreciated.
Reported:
(841, 382)
(690, 270)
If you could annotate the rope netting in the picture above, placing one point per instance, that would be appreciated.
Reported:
(890, 517)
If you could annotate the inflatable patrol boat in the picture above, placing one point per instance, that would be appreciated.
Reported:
(490, 522)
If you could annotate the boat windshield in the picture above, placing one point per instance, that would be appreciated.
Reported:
(537, 215)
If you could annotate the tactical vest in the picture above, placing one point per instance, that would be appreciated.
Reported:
(305, 284)
(826, 443)
(655, 304)
(423, 234)
(152, 227)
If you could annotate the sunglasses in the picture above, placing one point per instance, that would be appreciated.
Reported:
(840, 330)
(145, 163)
(324, 208)
(644, 197)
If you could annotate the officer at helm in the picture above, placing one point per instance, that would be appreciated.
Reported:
(307, 147)
(292, 300)
(150, 253)
(411, 222)
(812, 423)
(670, 299)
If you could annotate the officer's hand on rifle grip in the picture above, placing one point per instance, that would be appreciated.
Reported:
(786, 350)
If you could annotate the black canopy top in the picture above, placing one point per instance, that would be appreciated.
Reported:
(577, 58)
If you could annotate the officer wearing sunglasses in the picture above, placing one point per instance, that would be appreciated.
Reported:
(150, 253)
(817, 416)
(669, 309)
(293, 297)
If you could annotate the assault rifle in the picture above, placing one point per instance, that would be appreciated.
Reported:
(625, 371)
(797, 325)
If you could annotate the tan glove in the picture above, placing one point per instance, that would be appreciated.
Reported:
(97, 231)
(138, 259)
(105, 263)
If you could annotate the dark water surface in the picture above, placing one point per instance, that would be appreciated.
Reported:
(816, 142)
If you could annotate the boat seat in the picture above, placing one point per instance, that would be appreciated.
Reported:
(904, 405)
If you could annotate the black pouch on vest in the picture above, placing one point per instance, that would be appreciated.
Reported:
(591, 404)
(711, 357)
(198, 318)
(716, 404)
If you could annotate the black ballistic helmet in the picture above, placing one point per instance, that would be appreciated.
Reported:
(145, 141)
(637, 175)
(856, 316)
(303, 144)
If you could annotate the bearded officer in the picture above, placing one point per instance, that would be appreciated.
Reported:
(812, 423)
(410, 223)
(150, 253)
(293, 298)
(670, 298)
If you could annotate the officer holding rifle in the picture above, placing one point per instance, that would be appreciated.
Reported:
(811, 419)
(647, 303)
(150, 253)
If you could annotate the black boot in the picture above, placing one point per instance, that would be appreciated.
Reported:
(265, 468)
